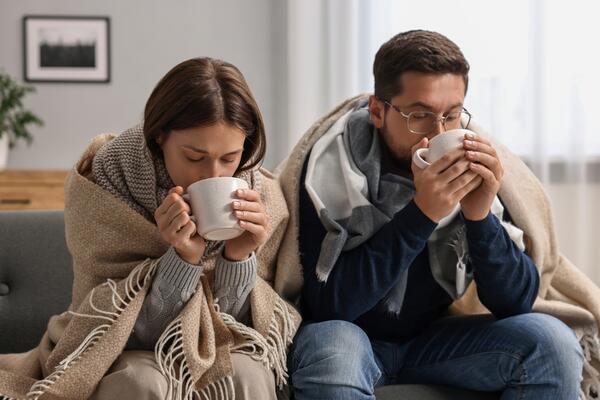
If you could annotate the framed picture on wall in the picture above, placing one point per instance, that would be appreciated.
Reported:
(66, 49)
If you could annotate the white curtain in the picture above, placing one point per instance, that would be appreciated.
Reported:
(329, 57)
(533, 84)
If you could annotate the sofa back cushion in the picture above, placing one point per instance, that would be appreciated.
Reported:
(36, 275)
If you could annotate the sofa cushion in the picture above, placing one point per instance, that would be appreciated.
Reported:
(35, 276)
(430, 392)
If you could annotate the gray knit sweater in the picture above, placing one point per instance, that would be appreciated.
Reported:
(174, 284)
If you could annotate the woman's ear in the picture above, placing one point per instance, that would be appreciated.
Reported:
(160, 140)
(376, 111)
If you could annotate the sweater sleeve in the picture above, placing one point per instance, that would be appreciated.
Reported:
(173, 285)
(363, 276)
(233, 283)
(507, 278)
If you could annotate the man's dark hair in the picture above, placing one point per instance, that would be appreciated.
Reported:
(419, 51)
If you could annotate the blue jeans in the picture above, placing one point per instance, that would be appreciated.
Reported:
(529, 356)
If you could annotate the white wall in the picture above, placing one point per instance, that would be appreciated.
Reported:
(147, 38)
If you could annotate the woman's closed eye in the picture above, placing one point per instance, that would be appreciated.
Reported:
(223, 160)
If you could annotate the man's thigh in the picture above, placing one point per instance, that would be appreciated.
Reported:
(476, 352)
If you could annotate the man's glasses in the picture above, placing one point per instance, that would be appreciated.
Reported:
(425, 122)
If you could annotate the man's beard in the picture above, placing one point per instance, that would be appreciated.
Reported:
(399, 163)
(404, 161)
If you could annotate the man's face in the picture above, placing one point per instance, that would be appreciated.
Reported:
(438, 93)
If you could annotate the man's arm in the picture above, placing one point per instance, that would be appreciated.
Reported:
(507, 279)
(362, 276)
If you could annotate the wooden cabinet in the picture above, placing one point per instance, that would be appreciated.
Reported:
(32, 190)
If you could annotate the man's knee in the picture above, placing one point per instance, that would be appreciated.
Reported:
(333, 349)
(554, 344)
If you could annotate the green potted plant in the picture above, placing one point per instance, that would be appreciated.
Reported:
(15, 119)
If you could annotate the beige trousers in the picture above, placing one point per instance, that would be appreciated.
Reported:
(135, 375)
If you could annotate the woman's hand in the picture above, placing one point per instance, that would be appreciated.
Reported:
(250, 212)
(177, 228)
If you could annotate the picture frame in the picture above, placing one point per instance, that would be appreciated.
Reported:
(66, 49)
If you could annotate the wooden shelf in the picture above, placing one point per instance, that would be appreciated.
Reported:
(32, 190)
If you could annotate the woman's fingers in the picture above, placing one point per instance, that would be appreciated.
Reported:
(242, 205)
(254, 217)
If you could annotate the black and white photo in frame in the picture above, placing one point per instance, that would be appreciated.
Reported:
(66, 49)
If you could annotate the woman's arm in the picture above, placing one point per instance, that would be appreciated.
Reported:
(174, 284)
(234, 280)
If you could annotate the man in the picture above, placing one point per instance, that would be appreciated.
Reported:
(387, 247)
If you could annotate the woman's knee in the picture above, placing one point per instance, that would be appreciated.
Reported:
(251, 379)
(134, 375)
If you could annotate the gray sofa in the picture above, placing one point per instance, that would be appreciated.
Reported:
(35, 283)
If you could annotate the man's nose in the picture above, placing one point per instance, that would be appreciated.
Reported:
(438, 127)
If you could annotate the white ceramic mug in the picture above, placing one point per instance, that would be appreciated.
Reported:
(210, 200)
(438, 146)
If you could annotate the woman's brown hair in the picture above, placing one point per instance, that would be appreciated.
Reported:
(205, 91)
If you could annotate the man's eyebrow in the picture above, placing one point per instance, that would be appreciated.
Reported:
(429, 106)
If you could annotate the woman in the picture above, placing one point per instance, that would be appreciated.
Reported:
(196, 319)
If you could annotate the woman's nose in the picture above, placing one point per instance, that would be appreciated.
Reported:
(215, 171)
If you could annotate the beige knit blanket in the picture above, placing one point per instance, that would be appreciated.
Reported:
(565, 292)
(115, 251)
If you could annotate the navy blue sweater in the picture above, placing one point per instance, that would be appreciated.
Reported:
(507, 279)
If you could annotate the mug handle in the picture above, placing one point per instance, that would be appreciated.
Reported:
(418, 157)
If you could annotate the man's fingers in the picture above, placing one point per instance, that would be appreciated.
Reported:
(455, 170)
(469, 187)
(462, 181)
(484, 172)
(446, 161)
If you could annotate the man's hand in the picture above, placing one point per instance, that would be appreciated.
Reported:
(440, 186)
(484, 161)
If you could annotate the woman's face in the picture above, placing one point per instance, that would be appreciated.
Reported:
(202, 152)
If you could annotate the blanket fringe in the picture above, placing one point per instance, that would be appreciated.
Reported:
(133, 285)
(272, 351)
(170, 358)
(220, 390)
(590, 386)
